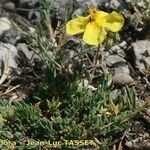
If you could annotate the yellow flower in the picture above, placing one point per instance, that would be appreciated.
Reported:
(95, 25)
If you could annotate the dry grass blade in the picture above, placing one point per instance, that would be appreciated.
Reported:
(10, 89)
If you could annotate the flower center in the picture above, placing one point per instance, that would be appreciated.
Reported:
(98, 16)
(93, 13)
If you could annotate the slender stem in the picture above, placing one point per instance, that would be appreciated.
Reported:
(96, 55)
(95, 59)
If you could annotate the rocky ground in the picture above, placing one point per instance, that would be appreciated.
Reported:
(127, 59)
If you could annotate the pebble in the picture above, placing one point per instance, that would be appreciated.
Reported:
(9, 6)
(10, 36)
(23, 49)
(113, 60)
(27, 3)
(122, 69)
(141, 50)
(34, 16)
(122, 79)
(147, 60)
(8, 51)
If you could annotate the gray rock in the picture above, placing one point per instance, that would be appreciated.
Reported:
(10, 36)
(113, 60)
(23, 51)
(115, 48)
(147, 60)
(60, 5)
(4, 25)
(87, 3)
(123, 44)
(67, 55)
(122, 69)
(142, 52)
(117, 4)
(34, 16)
(9, 6)
(27, 3)
(122, 79)
(8, 54)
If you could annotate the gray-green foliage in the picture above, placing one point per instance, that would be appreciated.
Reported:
(73, 117)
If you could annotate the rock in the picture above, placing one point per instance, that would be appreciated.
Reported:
(27, 3)
(147, 61)
(114, 3)
(9, 6)
(24, 51)
(71, 44)
(123, 44)
(117, 4)
(122, 79)
(115, 48)
(8, 54)
(67, 55)
(4, 25)
(141, 51)
(10, 36)
(61, 6)
(34, 16)
(113, 60)
(87, 3)
(122, 69)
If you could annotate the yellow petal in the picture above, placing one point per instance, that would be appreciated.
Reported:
(94, 34)
(77, 25)
(101, 18)
(114, 22)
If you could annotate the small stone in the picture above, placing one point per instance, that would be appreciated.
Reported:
(34, 16)
(115, 48)
(60, 5)
(112, 60)
(122, 44)
(4, 25)
(122, 79)
(8, 52)
(10, 6)
(141, 51)
(67, 55)
(115, 4)
(27, 3)
(147, 60)
(122, 69)
(10, 36)
(87, 3)
(23, 49)
(141, 48)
